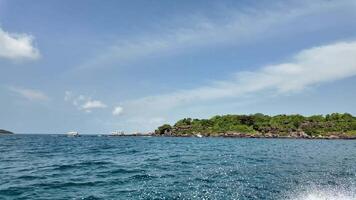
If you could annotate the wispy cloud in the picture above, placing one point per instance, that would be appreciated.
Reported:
(91, 104)
(117, 110)
(82, 102)
(16, 46)
(29, 94)
(237, 27)
(307, 68)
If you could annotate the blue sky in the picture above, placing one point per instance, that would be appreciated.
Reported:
(98, 66)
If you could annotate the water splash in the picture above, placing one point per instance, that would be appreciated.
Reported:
(317, 193)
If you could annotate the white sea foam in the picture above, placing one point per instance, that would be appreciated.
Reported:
(324, 194)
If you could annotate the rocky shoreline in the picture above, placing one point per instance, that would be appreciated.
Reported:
(263, 136)
(5, 132)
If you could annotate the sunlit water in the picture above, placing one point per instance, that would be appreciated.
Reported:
(91, 167)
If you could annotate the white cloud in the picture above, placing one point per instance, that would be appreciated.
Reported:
(83, 102)
(91, 104)
(30, 94)
(15, 46)
(117, 110)
(307, 68)
(237, 27)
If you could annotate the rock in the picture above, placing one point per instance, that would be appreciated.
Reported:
(3, 132)
(333, 137)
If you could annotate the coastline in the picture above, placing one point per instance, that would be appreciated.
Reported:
(242, 135)
(330, 126)
(259, 137)
(5, 132)
(220, 135)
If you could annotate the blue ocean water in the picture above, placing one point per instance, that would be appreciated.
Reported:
(92, 167)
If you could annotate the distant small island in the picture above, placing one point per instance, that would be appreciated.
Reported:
(3, 132)
(330, 126)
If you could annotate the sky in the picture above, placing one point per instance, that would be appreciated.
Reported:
(97, 66)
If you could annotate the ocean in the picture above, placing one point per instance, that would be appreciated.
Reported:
(92, 167)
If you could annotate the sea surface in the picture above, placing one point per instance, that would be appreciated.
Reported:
(93, 167)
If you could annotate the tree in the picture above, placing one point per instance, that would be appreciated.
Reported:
(261, 124)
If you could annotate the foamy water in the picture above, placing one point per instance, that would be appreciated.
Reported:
(329, 193)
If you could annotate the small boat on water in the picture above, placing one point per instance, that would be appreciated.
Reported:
(199, 135)
(73, 134)
(117, 133)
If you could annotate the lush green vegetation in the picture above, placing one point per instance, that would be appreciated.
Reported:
(260, 125)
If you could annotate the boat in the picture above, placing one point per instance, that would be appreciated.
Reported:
(117, 133)
(73, 134)
(199, 135)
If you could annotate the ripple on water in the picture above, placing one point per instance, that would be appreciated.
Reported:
(125, 171)
(91, 197)
(67, 184)
(78, 165)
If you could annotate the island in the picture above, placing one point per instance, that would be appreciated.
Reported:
(5, 132)
(330, 126)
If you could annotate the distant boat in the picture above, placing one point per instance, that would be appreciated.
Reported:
(117, 133)
(72, 134)
(199, 135)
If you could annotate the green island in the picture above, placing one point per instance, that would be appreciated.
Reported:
(330, 126)
(3, 132)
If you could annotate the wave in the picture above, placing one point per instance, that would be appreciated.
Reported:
(126, 171)
(81, 164)
(89, 198)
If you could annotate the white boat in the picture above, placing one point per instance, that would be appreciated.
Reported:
(72, 134)
(117, 133)
(199, 135)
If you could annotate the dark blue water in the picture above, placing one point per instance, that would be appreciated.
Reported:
(91, 167)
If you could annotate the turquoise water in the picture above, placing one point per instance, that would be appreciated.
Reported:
(91, 167)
